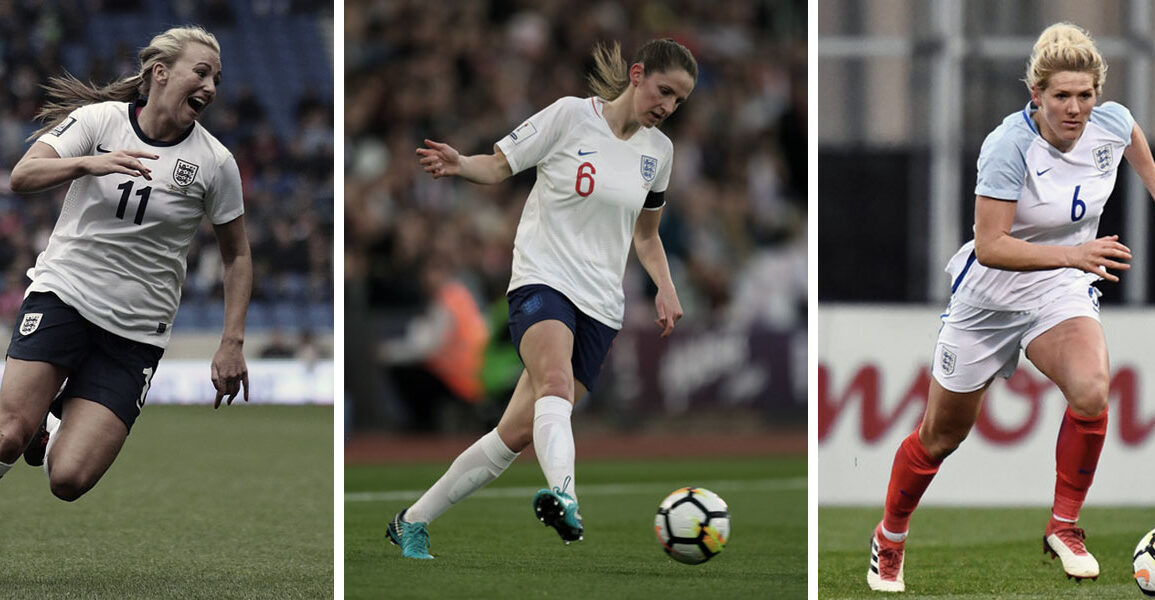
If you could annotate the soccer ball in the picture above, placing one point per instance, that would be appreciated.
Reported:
(1144, 564)
(693, 525)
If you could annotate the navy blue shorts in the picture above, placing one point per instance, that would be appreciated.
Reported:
(102, 367)
(592, 339)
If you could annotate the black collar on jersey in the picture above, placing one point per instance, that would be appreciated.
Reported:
(132, 106)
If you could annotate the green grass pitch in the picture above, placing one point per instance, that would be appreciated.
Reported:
(233, 503)
(491, 546)
(980, 553)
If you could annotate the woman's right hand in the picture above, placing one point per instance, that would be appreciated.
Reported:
(120, 161)
(439, 160)
(1096, 256)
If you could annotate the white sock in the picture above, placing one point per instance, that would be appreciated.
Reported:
(553, 442)
(894, 537)
(478, 465)
(4, 468)
(52, 425)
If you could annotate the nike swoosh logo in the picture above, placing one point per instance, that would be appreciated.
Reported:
(100, 148)
(580, 153)
(1041, 173)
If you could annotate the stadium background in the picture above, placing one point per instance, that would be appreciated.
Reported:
(196, 504)
(907, 91)
(734, 226)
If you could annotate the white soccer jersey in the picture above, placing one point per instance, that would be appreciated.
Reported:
(117, 253)
(578, 222)
(1060, 197)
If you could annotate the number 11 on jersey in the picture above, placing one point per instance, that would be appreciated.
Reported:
(142, 192)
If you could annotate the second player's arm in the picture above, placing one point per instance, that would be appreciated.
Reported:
(995, 246)
(652, 254)
(442, 160)
(1138, 155)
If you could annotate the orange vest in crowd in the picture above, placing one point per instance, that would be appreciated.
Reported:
(459, 359)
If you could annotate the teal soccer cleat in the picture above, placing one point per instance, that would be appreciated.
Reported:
(412, 537)
(559, 510)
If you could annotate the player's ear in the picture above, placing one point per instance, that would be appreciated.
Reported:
(1036, 95)
(637, 73)
(160, 72)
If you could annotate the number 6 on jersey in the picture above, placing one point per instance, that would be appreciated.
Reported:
(586, 175)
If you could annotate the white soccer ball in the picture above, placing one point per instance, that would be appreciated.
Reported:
(1144, 564)
(693, 525)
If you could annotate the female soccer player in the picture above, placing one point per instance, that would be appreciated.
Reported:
(1025, 281)
(602, 170)
(100, 307)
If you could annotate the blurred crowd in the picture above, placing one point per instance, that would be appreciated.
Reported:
(466, 73)
(286, 173)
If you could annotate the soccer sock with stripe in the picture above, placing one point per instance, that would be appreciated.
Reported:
(910, 475)
(1076, 456)
(478, 465)
(553, 442)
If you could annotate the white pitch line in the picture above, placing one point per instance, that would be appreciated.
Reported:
(721, 486)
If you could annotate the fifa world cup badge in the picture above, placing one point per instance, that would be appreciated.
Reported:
(30, 323)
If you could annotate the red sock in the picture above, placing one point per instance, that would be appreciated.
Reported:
(909, 477)
(1076, 456)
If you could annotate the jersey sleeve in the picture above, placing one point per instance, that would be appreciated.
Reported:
(1002, 167)
(225, 199)
(76, 134)
(662, 180)
(531, 141)
(1115, 118)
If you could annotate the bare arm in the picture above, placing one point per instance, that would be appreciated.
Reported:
(1138, 154)
(230, 375)
(995, 247)
(652, 255)
(42, 168)
(441, 160)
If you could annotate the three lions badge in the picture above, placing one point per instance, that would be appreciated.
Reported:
(30, 323)
(184, 172)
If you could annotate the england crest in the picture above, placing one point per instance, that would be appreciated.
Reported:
(30, 323)
(948, 362)
(1103, 157)
(184, 172)
(649, 167)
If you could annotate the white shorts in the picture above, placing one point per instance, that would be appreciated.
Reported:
(975, 344)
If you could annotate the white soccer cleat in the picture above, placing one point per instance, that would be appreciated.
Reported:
(1066, 544)
(886, 564)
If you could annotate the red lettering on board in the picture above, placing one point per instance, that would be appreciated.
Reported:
(865, 385)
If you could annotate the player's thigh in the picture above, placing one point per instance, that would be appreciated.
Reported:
(547, 353)
(1073, 354)
(949, 418)
(26, 392)
(86, 444)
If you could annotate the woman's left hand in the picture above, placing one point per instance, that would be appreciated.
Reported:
(669, 310)
(229, 373)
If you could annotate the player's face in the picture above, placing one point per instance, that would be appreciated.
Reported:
(1064, 107)
(659, 94)
(192, 83)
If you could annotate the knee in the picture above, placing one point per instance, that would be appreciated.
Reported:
(1088, 397)
(556, 381)
(69, 486)
(10, 447)
(940, 442)
(14, 437)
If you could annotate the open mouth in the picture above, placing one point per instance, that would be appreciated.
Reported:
(197, 104)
